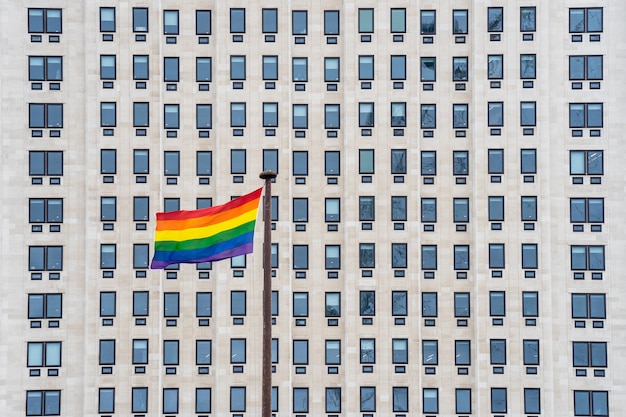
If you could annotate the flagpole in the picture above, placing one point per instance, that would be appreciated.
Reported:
(266, 397)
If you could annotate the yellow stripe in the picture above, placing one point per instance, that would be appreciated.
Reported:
(202, 232)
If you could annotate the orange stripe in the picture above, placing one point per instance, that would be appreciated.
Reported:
(209, 211)
(207, 220)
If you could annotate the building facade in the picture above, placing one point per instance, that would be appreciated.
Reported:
(447, 231)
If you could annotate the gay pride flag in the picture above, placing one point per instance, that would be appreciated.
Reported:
(208, 234)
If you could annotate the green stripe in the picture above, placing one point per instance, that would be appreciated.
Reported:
(193, 244)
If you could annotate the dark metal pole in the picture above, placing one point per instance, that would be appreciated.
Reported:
(266, 397)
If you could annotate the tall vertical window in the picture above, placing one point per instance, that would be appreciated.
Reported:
(299, 22)
(528, 66)
(461, 257)
(528, 19)
(331, 69)
(460, 162)
(171, 71)
(427, 22)
(495, 67)
(332, 163)
(459, 22)
(366, 114)
(428, 116)
(237, 20)
(495, 113)
(171, 116)
(398, 114)
(269, 20)
(332, 116)
(140, 19)
(203, 69)
(107, 19)
(460, 116)
(299, 69)
(366, 67)
(300, 116)
(333, 400)
(332, 210)
(366, 20)
(495, 18)
(170, 22)
(429, 257)
(238, 114)
(366, 161)
(366, 208)
(428, 69)
(171, 166)
(204, 116)
(270, 114)
(139, 400)
(331, 22)
(398, 20)
(367, 256)
(398, 67)
(529, 256)
(498, 400)
(270, 67)
(237, 67)
(398, 161)
(203, 22)
(140, 67)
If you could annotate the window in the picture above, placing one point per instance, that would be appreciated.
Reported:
(237, 67)
(45, 163)
(140, 255)
(427, 22)
(332, 163)
(171, 70)
(589, 354)
(528, 66)
(333, 400)
(141, 161)
(366, 67)
(459, 116)
(461, 257)
(589, 258)
(428, 116)
(398, 208)
(400, 399)
(140, 303)
(459, 68)
(459, 22)
(496, 114)
(428, 69)
(45, 258)
(588, 306)
(331, 69)
(366, 208)
(172, 116)
(300, 72)
(428, 210)
(237, 303)
(270, 67)
(398, 67)
(586, 162)
(495, 19)
(44, 21)
(586, 210)
(585, 115)
(497, 304)
(367, 303)
(274, 209)
(463, 400)
(170, 352)
(528, 113)
(398, 255)
(530, 304)
(398, 114)
(203, 400)
(300, 210)
(460, 164)
(237, 20)
(106, 400)
(45, 210)
(398, 161)
(495, 162)
(430, 352)
(429, 257)
(333, 352)
(203, 22)
(300, 304)
(461, 304)
(108, 114)
(45, 306)
(429, 162)
(170, 22)
(141, 69)
(462, 353)
(107, 19)
(366, 114)
(44, 354)
(494, 67)
(497, 351)
(331, 23)
(43, 403)
(140, 351)
(496, 255)
(171, 204)
(45, 115)
(332, 116)
(528, 163)
(140, 19)
(333, 256)
(366, 20)
(300, 116)
(333, 304)
(203, 69)
(461, 210)
(366, 161)
(430, 400)
(529, 256)
(531, 352)
(106, 352)
(238, 114)
(300, 352)
(528, 19)
(498, 400)
(585, 20)
(203, 352)
(591, 403)
(108, 256)
(399, 303)
(270, 21)
(270, 160)
(299, 22)
(204, 116)
(270, 114)
(237, 351)
(585, 67)
(429, 304)
(300, 400)
(107, 304)
(300, 257)
(366, 255)
(171, 166)
(50, 68)
(368, 398)
(496, 208)
(171, 302)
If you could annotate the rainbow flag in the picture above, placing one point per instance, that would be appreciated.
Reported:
(208, 234)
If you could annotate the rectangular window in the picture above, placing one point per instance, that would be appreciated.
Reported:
(237, 399)
(367, 303)
(459, 22)
(366, 20)
(270, 67)
(300, 116)
(495, 162)
(460, 209)
(106, 400)
(300, 72)
(588, 306)
(398, 161)
(428, 116)
(333, 400)
(368, 351)
(333, 352)
(270, 160)
(140, 19)
(398, 208)
(366, 67)
(494, 67)
(459, 68)
(332, 163)
(141, 69)
(531, 352)
(429, 257)
(237, 67)
(171, 70)
(462, 353)
(139, 400)
(587, 258)
(428, 69)
(45, 258)
(141, 255)
(171, 166)
(171, 303)
(398, 21)
(428, 162)
(204, 116)
(460, 163)
(50, 68)
(496, 208)
(497, 304)
(331, 22)
(44, 20)
(331, 70)
(46, 115)
(300, 210)
(45, 210)
(532, 401)
(430, 400)
(463, 400)
(270, 114)
(585, 67)
(528, 19)
(300, 352)
(495, 19)
(530, 304)
(367, 208)
(237, 303)
(269, 20)
(300, 400)
(204, 304)
(237, 20)
(367, 255)
(528, 113)
(496, 255)
(398, 67)
(400, 399)
(332, 116)
(203, 352)
(108, 114)
(460, 116)
(333, 256)
(45, 163)
(591, 403)
(366, 114)
(497, 351)
(141, 209)
(461, 304)
(399, 303)
(43, 403)
(44, 354)
(586, 162)
(237, 114)
(495, 114)
(586, 210)
(528, 66)
(398, 114)
(428, 22)
(368, 398)
(398, 255)
(428, 210)
(203, 22)
(237, 351)
(300, 257)
(583, 115)
(203, 69)
(140, 351)
(585, 20)
(366, 161)
(461, 257)
(140, 303)
(528, 161)
(171, 116)
(170, 22)
(45, 306)
(203, 400)
(170, 352)
(430, 352)
(429, 304)
(333, 304)
(529, 256)
(498, 400)
(299, 22)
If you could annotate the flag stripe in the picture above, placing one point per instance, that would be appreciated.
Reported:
(229, 253)
(190, 214)
(201, 253)
(171, 245)
(194, 222)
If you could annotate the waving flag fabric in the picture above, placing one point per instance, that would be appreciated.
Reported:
(208, 234)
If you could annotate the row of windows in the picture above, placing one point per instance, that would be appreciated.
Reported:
(584, 305)
(582, 115)
(583, 257)
(586, 403)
